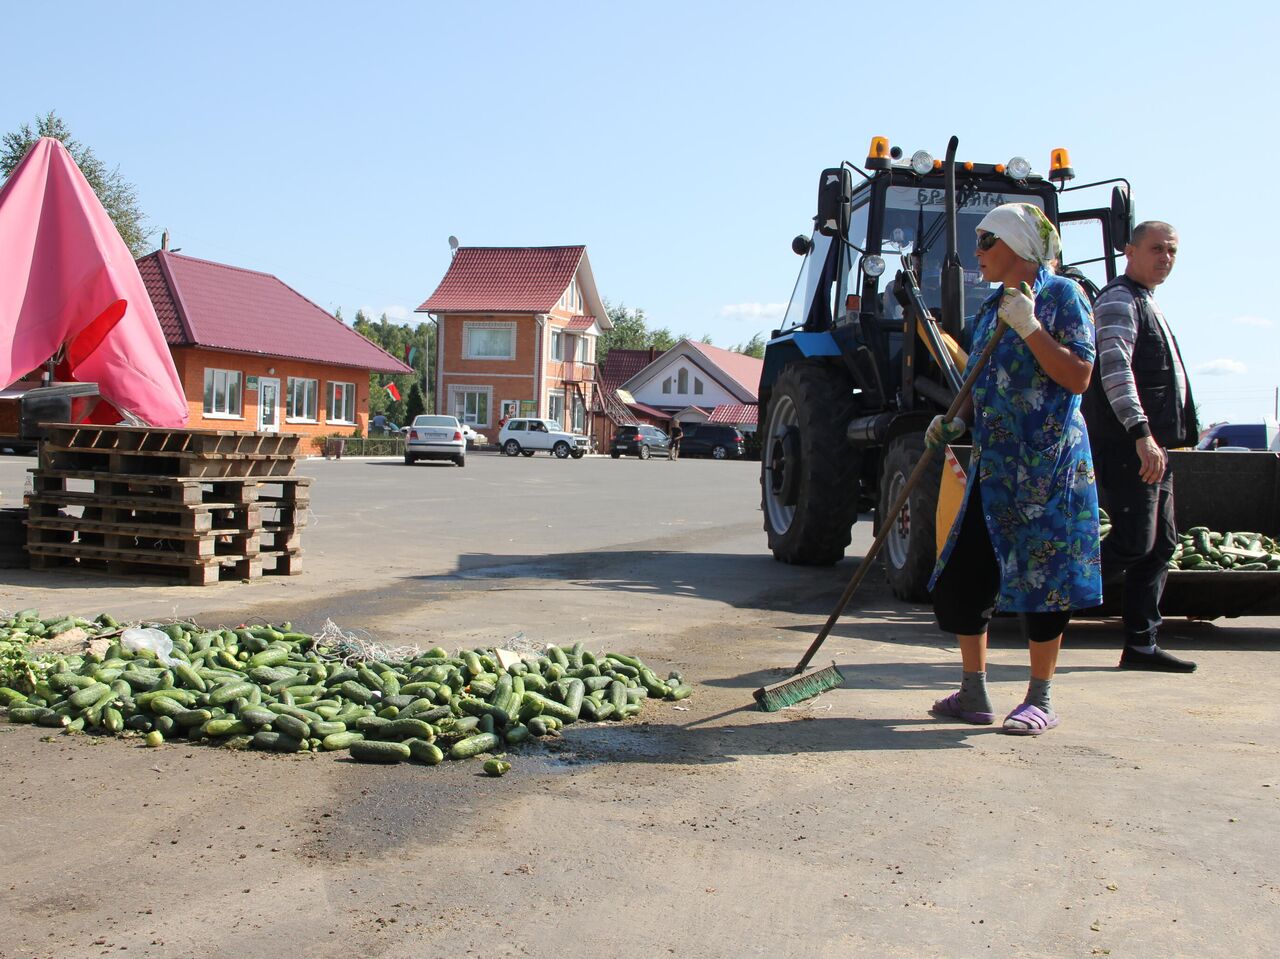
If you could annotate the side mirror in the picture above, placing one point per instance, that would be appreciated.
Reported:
(835, 201)
(1121, 217)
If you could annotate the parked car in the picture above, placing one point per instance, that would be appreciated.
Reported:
(712, 439)
(435, 437)
(527, 436)
(642, 441)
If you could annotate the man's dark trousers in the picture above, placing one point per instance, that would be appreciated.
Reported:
(1142, 539)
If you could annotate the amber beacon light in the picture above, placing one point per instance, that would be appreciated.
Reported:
(878, 156)
(1060, 165)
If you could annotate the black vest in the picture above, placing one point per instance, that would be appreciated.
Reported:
(1172, 424)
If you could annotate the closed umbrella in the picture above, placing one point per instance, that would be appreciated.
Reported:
(67, 279)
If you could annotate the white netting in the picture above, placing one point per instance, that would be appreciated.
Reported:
(332, 641)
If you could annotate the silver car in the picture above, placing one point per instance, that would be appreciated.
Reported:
(433, 437)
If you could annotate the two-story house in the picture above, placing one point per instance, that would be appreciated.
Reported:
(517, 328)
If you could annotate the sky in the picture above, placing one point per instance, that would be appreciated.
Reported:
(339, 146)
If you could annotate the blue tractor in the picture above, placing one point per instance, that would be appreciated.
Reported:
(866, 356)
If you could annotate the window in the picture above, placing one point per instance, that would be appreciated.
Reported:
(470, 404)
(697, 386)
(516, 426)
(579, 415)
(222, 393)
(555, 405)
(303, 399)
(488, 341)
(666, 385)
(682, 382)
(557, 345)
(582, 349)
(342, 403)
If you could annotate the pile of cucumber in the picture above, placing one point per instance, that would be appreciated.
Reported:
(273, 688)
(1200, 548)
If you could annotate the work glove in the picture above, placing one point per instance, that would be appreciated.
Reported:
(1018, 310)
(943, 431)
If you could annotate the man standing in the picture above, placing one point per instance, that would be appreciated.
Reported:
(1139, 406)
(677, 434)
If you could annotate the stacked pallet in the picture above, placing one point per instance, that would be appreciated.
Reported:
(200, 506)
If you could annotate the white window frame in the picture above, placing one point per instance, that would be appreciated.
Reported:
(460, 397)
(310, 394)
(555, 398)
(583, 349)
(697, 386)
(666, 384)
(557, 345)
(471, 327)
(229, 379)
(682, 383)
(348, 392)
(579, 416)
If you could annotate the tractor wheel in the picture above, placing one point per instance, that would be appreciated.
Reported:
(809, 474)
(910, 548)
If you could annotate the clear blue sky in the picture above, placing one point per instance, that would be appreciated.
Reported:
(338, 146)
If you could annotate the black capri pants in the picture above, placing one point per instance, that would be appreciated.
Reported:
(964, 597)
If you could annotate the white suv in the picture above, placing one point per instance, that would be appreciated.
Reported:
(526, 436)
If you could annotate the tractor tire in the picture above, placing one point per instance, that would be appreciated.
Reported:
(910, 548)
(809, 474)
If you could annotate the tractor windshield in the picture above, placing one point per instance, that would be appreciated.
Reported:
(915, 222)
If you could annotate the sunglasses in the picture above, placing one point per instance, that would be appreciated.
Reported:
(987, 240)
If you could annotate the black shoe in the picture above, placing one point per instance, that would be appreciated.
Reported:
(1155, 662)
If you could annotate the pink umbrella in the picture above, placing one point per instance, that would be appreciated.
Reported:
(67, 279)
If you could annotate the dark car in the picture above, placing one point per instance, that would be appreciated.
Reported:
(641, 441)
(711, 439)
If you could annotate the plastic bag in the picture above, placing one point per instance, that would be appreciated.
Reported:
(144, 637)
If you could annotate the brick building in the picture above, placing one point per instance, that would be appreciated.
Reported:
(254, 354)
(517, 330)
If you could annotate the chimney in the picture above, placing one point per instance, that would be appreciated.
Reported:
(653, 353)
(164, 240)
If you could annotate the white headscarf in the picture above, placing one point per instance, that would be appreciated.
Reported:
(1025, 229)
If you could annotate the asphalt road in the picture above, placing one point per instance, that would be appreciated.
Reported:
(854, 824)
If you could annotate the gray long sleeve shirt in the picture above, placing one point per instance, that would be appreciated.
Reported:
(1116, 320)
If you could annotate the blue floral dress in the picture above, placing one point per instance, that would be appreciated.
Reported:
(1032, 462)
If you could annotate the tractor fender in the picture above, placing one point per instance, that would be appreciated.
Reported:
(791, 347)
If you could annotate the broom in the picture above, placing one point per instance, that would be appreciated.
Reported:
(788, 692)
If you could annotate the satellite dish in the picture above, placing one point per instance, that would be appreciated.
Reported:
(453, 243)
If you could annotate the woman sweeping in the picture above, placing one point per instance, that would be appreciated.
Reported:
(1026, 537)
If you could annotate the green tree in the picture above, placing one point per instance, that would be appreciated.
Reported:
(400, 340)
(116, 194)
(414, 405)
(753, 347)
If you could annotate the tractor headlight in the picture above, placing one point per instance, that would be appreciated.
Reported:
(1019, 168)
(873, 265)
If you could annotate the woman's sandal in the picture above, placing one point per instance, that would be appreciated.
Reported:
(1028, 720)
(949, 708)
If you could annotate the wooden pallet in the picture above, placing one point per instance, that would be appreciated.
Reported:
(165, 463)
(200, 517)
(293, 490)
(149, 440)
(216, 570)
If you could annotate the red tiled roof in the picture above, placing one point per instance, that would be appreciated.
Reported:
(620, 365)
(744, 370)
(485, 279)
(201, 303)
(577, 323)
(734, 413)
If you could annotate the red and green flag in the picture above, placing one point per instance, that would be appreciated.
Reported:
(409, 353)
(393, 392)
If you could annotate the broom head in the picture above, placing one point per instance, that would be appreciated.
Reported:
(798, 688)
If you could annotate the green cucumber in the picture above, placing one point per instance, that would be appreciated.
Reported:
(291, 726)
(425, 752)
(367, 751)
(225, 727)
(271, 656)
(224, 694)
(407, 729)
(336, 741)
(257, 716)
(275, 742)
(474, 745)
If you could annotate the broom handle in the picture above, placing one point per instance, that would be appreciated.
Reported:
(922, 465)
